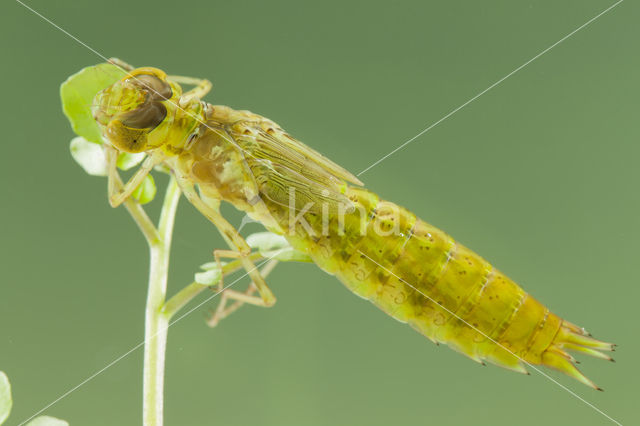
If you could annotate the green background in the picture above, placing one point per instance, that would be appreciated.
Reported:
(539, 176)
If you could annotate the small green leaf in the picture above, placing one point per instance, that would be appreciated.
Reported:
(5, 397)
(211, 275)
(209, 278)
(89, 156)
(77, 94)
(127, 160)
(47, 421)
(267, 241)
(273, 246)
(146, 191)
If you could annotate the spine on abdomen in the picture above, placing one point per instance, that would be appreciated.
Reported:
(418, 274)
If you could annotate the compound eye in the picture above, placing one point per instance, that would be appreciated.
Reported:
(148, 116)
(158, 89)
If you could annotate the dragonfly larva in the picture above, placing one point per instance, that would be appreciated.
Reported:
(411, 270)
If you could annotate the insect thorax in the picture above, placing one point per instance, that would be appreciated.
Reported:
(211, 160)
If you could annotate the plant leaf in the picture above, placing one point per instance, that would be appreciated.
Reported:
(127, 160)
(5, 397)
(47, 421)
(273, 246)
(209, 278)
(267, 241)
(89, 156)
(146, 191)
(77, 94)
(211, 274)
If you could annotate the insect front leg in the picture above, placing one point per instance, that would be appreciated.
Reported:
(202, 86)
(239, 246)
(119, 193)
(223, 311)
(122, 64)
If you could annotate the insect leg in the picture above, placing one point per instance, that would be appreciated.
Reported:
(239, 246)
(203, 86)
(222, 310)
(122, 64)
(117, 192)
(219, 254)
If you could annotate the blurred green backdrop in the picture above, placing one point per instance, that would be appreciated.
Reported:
(539, 176)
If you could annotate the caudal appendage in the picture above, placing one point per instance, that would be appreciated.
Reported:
(573, 338)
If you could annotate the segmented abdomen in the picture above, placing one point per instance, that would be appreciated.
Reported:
(420, 275)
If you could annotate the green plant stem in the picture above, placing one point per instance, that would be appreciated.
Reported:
(155, 322)
(184, 296)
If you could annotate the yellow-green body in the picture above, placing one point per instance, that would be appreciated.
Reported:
(411, 270)
(422, 276)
